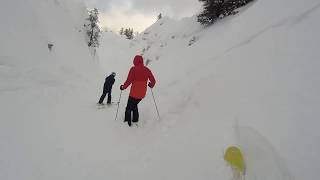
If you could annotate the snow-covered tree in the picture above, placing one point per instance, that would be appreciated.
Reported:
(121, 31)
(128, 32)
(212, 10)
(135, 34)
(217, 9)
(93, 29)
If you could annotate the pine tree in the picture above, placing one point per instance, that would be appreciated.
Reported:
(212, 11)
(217, 9)
(128, 32)
(159, 16)
(131, 34)
(121, 31)
(93, 30)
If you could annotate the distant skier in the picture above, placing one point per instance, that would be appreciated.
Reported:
(138, 76)
(107, 88)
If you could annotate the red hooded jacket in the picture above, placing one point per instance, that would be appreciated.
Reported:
(138, 76)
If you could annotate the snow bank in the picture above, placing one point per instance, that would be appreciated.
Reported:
(39, 86)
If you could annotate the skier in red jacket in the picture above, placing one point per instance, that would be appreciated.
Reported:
(138, 79)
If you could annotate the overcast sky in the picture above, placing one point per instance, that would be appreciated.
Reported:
(139, 14)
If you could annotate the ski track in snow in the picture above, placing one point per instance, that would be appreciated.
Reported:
(12, 89)
(286, 21)
(299, 18)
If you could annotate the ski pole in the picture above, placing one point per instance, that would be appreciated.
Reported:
(118, 106)
(154, 100)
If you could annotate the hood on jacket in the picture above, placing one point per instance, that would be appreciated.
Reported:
(138, 60)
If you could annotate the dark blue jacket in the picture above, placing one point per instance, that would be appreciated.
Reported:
(108, 83)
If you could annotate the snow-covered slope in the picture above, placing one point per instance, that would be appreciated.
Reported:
(250, 80)
(39, 88)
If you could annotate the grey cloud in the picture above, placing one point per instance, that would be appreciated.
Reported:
(104, 5)
(174, 8)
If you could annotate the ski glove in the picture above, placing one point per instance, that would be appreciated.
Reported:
(121, 88)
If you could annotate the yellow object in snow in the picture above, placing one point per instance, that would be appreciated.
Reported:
(234, 157)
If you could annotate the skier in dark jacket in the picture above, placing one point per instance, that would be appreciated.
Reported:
(138, 77)
(107, 88)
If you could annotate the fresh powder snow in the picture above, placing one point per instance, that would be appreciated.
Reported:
(251, 80)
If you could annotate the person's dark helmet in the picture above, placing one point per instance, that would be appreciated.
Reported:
(113, 74)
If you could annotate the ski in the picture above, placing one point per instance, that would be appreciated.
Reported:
(103, 106)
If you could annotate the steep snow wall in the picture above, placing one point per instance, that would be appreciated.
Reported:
(37, 84)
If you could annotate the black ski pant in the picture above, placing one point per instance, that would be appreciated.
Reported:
(132, 109)
(105, 92)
